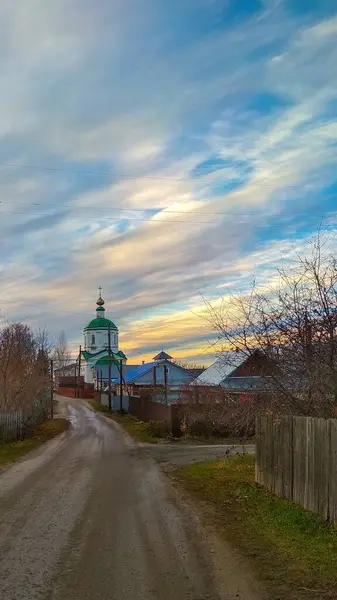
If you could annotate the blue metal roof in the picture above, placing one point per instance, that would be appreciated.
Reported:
(132, 372)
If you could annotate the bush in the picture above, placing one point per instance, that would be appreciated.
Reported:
(158, 429)
(200, 429)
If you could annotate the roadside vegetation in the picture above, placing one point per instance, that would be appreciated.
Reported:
(150, 432)
(154, 432)
(293, 551)
(10, 452)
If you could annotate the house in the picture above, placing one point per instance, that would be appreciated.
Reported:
(64, 372)
(219, 370)
(165, 376)
(161, 376)
(238, 373)
(254, 374)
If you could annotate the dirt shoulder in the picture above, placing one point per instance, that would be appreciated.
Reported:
(232, 572)
(11, 452)
(291, 551)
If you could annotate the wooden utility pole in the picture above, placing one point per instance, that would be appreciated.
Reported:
(51, 388)
(78, 374)
(109, 365)
(165, 382)
(121, 385)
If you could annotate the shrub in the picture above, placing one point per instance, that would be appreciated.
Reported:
(158, 429)
(200, 429)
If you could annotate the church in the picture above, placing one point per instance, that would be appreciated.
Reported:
(99, 334)
(97, 367)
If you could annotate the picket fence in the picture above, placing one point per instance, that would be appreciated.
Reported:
(296, 459)
(16, 425)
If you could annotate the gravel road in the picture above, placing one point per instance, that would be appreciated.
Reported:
(91, 516)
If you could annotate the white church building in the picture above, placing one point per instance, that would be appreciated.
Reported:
(96, 346)
(97, 366)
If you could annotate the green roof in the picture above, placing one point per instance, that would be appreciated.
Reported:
(100, 323)
(114, 358)
(100, 309)
(105, 360)
(87, 355)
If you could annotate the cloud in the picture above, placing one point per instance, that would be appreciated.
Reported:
(170, 138)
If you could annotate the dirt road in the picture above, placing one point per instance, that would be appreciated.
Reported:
(89, 517)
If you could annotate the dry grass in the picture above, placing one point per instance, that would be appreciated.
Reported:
(293, 551)
(46, 431)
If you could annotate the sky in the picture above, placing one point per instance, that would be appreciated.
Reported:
(163, 150)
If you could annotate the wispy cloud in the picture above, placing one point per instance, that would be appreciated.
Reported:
(158, 147)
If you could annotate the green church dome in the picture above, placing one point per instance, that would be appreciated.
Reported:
(100, 323)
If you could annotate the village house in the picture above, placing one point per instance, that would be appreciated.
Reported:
(238, 373)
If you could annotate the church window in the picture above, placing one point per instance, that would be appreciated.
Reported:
(92, 340)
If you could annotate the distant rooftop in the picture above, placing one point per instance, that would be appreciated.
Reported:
(220, 369)
(162, 356)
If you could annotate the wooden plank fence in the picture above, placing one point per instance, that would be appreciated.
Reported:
(11, 426)
(296, 459)
(16, 425)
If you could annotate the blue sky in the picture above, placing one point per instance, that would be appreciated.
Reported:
(163, 150)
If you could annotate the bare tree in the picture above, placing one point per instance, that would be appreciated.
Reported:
(62, 356)
(212, 411)
(187, 365)
(43, 341)
(23, 376)
(293, 323)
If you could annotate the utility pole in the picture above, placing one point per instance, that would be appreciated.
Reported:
(121, 385)
(51, 388)
(165, 382)
(109, 365)
(79, 373)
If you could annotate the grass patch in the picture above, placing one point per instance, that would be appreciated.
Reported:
(293, 550)
(133, 426)
(210, 441)
(10, 452)
(99, 407)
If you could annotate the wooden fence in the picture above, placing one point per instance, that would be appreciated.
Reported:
(16, 425)
(146, 410)
(296, 459)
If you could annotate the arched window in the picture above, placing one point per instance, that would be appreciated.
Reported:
(92, 340)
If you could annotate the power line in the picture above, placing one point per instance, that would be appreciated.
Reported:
(178, 220)
(69, 312)
(93, 217)
(84, 172)
(159, 209)
(122, 176)
(85, 314)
